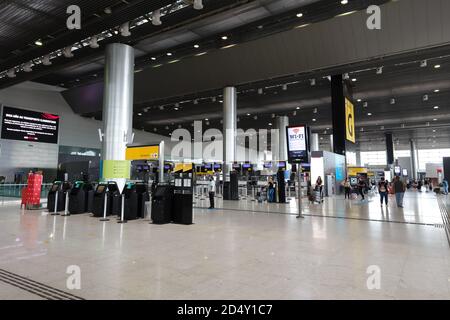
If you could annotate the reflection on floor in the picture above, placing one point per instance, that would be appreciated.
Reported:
(237, 254)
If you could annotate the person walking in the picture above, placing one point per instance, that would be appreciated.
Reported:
(271, 191)
(212, 192)
(319, 186)
(361, 188)
(347, 188)
(399, 190)
(383, 191)
(445, 186)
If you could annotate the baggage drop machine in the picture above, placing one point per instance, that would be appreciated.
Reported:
(103, 199)
(81, 197)
(56, 199)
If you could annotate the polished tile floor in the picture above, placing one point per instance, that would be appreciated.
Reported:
(243, 251)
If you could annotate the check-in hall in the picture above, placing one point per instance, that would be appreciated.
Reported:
(224, 149)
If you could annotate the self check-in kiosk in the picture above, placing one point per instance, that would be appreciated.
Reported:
(81, 197)
(135, 195)
(108, 190)
(183, 194)
(56, 198)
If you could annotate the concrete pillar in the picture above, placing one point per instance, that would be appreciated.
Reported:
(118, 103)
(281, 123)
(358, 159)
(314, 142)
(414, 163)
(229, 128)
(331, 143)
(389, 149)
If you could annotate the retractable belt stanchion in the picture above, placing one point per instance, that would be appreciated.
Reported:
(66, 208)
(253, 193)
(300, 214)
(122, 211)
(55, 211)
(105, 205)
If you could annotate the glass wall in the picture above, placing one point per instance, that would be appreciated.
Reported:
(373, 158)
(431, 156)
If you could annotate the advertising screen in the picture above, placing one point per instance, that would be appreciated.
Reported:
(268, 165)
(25, 125)
(297, 144)
(397, 170)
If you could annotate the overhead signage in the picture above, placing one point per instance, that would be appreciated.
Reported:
(350, 121)
(297, 144)
(26, 125)
(116, 169)
(142, 153)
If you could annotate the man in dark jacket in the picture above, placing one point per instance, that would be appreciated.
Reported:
(399, 189)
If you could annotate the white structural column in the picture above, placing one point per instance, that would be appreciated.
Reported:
(282, 123)
(314, 142)
(229, 128)
(414, 163)
(118, 103)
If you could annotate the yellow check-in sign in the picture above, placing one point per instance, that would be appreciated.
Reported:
(350, 121)
(142, 153)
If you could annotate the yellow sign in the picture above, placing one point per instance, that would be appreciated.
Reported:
(179, 167)
(350, 121)
(142, 153)
(354, 171)
(115, 169)
(187, 167)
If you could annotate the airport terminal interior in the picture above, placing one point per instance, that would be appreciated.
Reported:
(224, 149)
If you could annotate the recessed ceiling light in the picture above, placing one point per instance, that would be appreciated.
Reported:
(314, 120)
(298, 108)
(270, 124)
(153, 58)
(229, 46)
(436, 107)
(224, 38)
(299, 15)
(344, 1)
(346, 13)
(354, 79)
(169, 54)
(38, 43)
(248, 114)
(359, 100)
(206, 119)
(437, 66)
(196, 46)
(437, 90)
(369, 114)
(435, 119)
(139, 114)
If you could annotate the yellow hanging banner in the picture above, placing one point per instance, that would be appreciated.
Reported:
(350, 121)
(142, 153)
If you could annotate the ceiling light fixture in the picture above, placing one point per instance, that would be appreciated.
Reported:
(198, 4)
(93, 42)
(46, 60)
(196, 46)
(27, 67)
(38, 43)
(224, 38)
(299, 15)
(437, 66)
(67, 52)
(125, 30)
(156, 18)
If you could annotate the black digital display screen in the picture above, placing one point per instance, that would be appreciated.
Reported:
(246, 165)
(268, 165)
(25, 125)
(208, 166)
